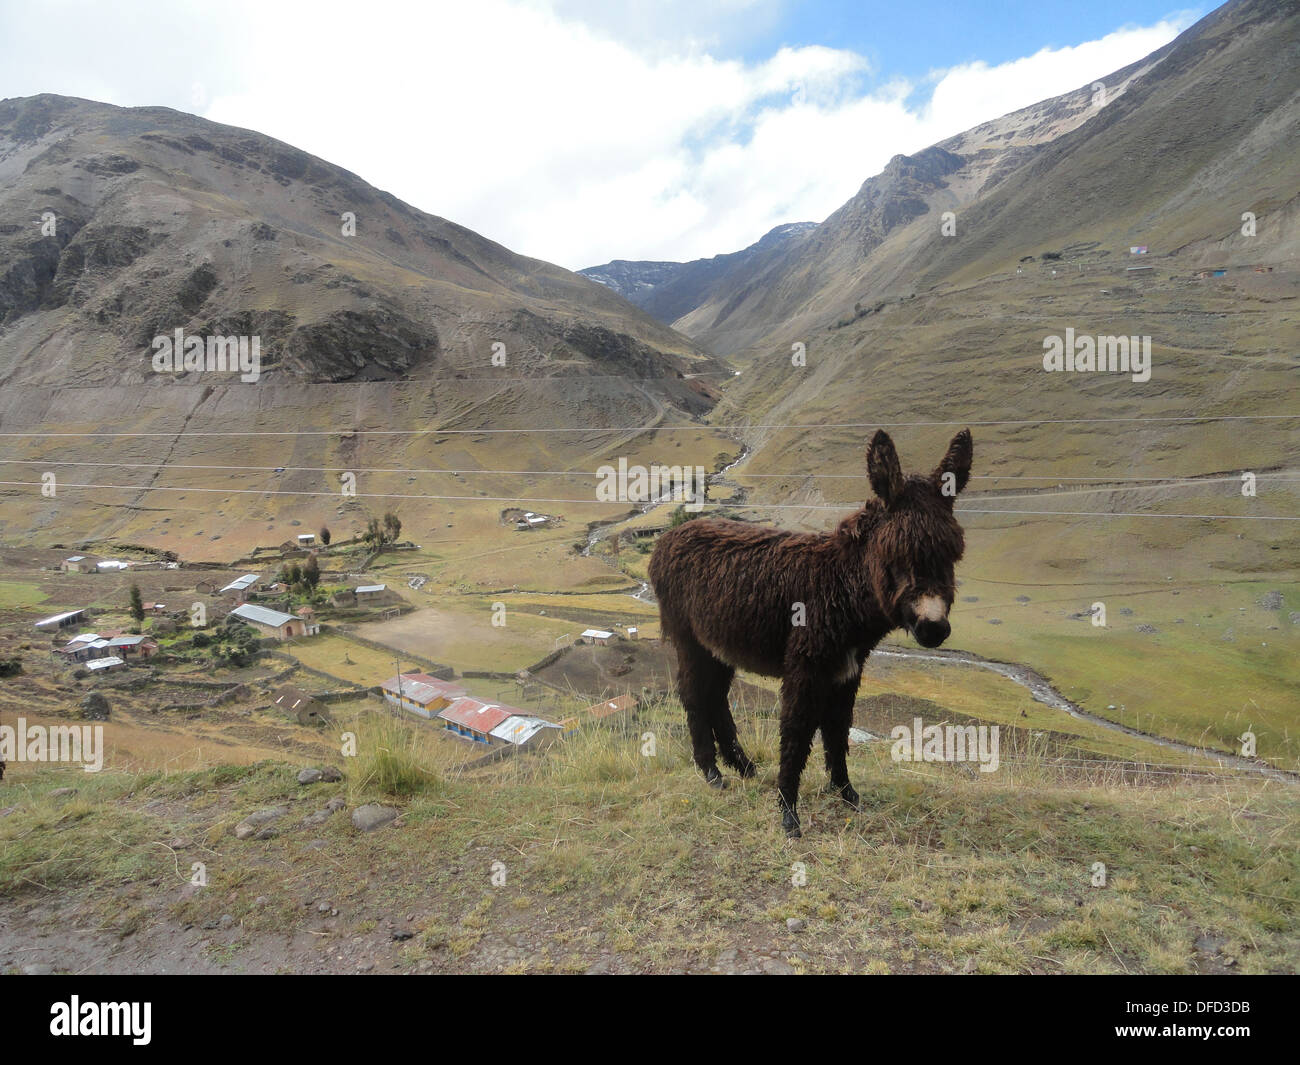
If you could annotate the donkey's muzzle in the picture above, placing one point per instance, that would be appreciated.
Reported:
(931, 633)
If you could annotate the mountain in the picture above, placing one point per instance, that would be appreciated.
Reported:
(126, 230)
(164, 221)
(672, 290)
(1180, 144)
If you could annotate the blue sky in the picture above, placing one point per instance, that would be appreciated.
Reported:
(912, 37)
(580, 131)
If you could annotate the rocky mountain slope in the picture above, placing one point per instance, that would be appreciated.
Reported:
(1170, 154)
(120, 226)
(123, 224)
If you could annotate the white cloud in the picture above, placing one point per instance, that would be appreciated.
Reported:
(539, 124)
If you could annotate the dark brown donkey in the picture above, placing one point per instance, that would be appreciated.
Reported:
(808, 609)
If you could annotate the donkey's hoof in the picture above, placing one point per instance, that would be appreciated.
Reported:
(790, 822)
(746, 768)
(851, 797)
(715, 779)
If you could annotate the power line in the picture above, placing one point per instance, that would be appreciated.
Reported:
(589, 473)
(163, 464)
(584, 429)
(597, 502)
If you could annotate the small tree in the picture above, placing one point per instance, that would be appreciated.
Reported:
(392, 527)
(137, 605)
(310, 574)
(325, 535)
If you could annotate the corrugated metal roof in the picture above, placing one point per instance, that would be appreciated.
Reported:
(263, 615)
(104, 663)
(372, 588)
(241, 584)
(57, 618)
(598, 634)
(126, 641)
(422, 689)
(520, 728)
(470, 713)
(76, 558)
(85, 637)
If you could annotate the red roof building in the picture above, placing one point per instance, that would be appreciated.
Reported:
(475, 720)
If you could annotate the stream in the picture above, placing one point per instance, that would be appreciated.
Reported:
(1043, 692)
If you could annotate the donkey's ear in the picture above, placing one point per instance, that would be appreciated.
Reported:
(883, 468)
(953, 472)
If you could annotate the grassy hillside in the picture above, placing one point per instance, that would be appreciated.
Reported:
(611, 861)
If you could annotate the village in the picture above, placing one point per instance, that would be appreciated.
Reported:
(201, 641)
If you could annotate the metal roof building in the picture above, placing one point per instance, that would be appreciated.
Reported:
(473, 719)
(112, 662)
(240, 584)
(61, 621)
(525, 731)
(274, 622)
(420, 693)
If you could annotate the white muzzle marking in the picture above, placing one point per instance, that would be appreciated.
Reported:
(930, 608)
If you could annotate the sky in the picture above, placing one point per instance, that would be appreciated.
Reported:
(580, 131)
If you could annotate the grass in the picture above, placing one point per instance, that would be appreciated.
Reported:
(601, 849)
(16, 595)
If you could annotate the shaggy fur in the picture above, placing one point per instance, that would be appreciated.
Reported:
(731, 596)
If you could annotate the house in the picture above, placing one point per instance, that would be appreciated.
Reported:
(61, 621)
(111, 565)
(84, 647)
(363, 595)
(524, 730)
(305, 709)
(239, 588)
(599, 636)
(421, 693)
(156, 609)
(475, 720)
(306, 539)
(631, 632)
(139, 646)
(622, 708)
(106, 665)
(274, 622)
(78, 564)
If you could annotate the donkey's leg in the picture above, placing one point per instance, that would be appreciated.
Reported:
(837, 716)
(800, 694)
(724, 726)
(698, 678)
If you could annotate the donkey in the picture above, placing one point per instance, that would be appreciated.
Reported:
(808, 608)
